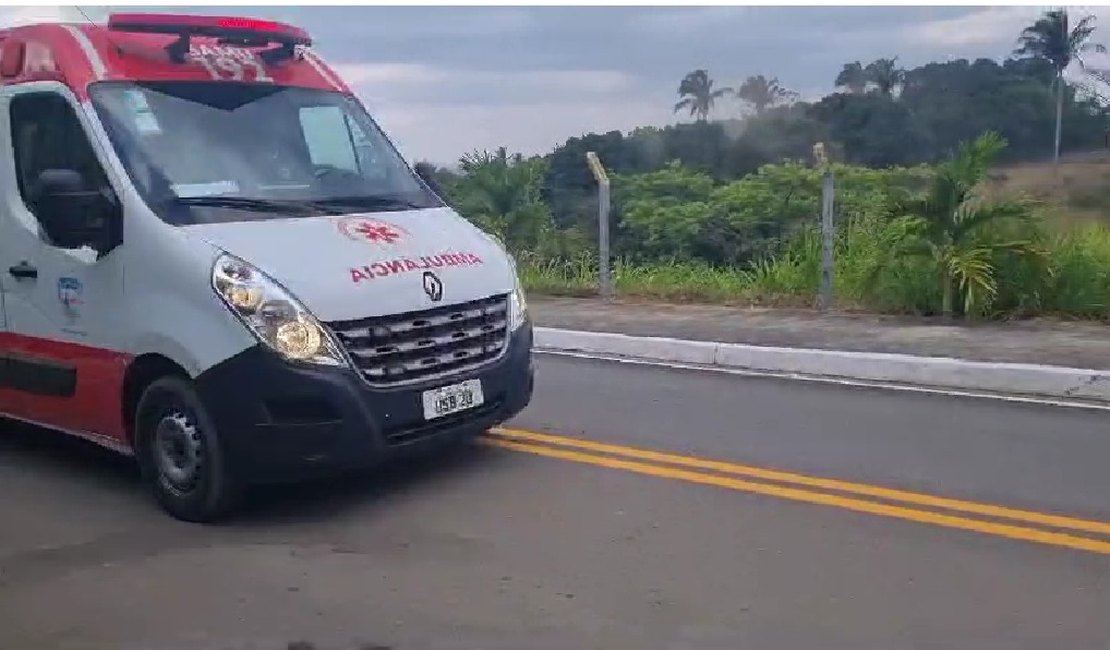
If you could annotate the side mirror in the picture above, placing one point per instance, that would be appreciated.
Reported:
(72, 213)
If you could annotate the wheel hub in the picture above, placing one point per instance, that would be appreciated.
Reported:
(179, 451)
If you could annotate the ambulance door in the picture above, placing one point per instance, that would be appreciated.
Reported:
(63, 305)
(9, 397)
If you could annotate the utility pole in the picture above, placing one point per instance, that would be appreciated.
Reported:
(825, 295)
(605, 281)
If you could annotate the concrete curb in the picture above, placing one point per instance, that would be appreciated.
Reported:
(935, 372)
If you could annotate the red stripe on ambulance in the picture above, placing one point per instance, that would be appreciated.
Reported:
(95, 405)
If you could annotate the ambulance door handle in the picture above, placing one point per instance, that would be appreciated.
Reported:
(23, 270)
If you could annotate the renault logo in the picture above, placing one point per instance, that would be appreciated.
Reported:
(433, 286)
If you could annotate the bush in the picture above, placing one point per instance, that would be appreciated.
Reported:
(679, 213)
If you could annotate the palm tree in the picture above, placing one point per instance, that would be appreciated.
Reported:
(501, 193)
(1051, 39)
(885, 74)
(948, 226)
(763, 93)
(697, 94)
(852, 77)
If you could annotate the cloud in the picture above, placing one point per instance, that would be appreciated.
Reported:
(15, 16)
(676, 22)
(394, 74)
(981, 27)
(442, 132)
(425, 84)
(423, 23)
(437, 113)
(405, 76)
(992, 26)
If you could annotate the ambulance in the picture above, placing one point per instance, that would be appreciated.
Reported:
(214, 260)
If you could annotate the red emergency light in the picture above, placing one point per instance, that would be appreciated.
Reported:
(228, 29)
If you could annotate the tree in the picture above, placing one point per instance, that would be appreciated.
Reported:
(1051, 39)
(763, 93)
(874, 129)
(697, 94)
(852, 77)
(885, 74)
(501, 194)
(948, 225)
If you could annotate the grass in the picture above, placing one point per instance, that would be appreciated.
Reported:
(1078, 283)
(1079, 195)
(1073, 281)
(670, 281)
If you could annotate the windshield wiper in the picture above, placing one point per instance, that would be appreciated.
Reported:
(373, 202)
(304, 208)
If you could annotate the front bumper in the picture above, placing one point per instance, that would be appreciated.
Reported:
(282, 422)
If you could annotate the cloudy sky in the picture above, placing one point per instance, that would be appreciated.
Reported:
(446, 80)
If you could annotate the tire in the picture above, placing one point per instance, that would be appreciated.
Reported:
(180, 453)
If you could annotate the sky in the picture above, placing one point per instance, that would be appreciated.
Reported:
(443, 81)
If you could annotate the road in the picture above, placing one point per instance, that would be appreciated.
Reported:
(628, 507)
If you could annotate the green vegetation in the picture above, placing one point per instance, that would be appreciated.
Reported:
(941, 207)
(1051, 40)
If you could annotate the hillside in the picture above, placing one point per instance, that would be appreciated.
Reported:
(1081, 194)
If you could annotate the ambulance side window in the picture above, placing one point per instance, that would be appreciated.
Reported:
(46, 134)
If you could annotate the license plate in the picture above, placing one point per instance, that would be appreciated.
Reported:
(452, 399)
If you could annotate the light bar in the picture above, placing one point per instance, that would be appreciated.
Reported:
(213, 26)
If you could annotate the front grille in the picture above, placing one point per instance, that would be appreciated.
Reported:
(419, 345)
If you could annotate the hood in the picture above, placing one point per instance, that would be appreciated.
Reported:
(357, 266)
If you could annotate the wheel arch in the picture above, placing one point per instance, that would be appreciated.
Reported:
(141, 372)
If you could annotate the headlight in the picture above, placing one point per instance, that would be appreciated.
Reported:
(276, 317)
(518, 306)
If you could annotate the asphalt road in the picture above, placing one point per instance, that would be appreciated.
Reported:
(629, 507)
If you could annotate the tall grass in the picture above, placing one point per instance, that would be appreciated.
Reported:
(1078, 279)
(672, 281)
(1071, 278)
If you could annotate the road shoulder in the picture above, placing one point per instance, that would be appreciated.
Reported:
(1060, 360)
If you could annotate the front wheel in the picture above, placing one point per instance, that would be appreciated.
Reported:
(180, 453)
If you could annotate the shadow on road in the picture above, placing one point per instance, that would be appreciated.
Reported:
(79, 465)
(325, 499)
(65, 456)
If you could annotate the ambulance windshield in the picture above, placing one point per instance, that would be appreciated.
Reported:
(202, 152)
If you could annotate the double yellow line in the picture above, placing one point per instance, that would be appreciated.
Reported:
(1001, 521)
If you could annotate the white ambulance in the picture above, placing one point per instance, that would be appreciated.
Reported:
(213, 259)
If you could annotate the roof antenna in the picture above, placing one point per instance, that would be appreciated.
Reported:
(82, 12)
(107, 34)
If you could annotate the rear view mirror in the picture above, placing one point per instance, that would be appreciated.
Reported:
(72, 213)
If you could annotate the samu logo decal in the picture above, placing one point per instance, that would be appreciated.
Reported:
(372, 231)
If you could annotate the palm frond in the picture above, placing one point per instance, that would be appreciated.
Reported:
(973, 270)
(1081, 32)
(970, 217)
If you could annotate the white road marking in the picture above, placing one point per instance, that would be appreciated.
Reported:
(907, 388)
